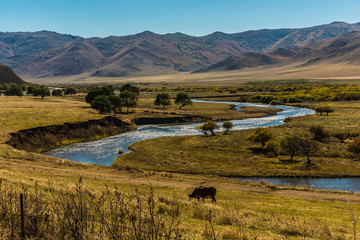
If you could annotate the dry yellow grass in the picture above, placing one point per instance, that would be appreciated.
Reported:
(244, 210)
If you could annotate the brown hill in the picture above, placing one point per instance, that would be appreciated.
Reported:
(245, 60)
(309, 36)
(46, 54)
(75, 58)
(9, 76)
(341, 49)
(344, 48)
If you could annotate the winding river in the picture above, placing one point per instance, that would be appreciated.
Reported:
(105, 151)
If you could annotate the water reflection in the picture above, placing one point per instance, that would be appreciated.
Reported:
(346, 184)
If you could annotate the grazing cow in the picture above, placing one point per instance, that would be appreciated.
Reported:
(203, 192)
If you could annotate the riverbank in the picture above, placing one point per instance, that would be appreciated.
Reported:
(243, 210)
(233, 155)
(45, 138)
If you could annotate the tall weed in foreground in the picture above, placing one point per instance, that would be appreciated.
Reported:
(79, 214)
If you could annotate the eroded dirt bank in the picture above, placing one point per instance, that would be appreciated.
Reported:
(42, 139)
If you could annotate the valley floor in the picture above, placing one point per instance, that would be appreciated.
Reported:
(243, 210)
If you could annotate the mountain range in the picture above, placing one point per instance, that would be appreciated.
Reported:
(48, 54)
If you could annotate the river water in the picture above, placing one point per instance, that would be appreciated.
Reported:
(105, 151)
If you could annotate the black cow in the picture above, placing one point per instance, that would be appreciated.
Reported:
(203, 192)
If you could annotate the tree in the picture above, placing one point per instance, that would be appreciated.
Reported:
(102, 104)
(128, 99)
(115, 103)
(290, 145)
(261, 135)
(162, 99)
(15, 90)
(130, 88)
(208, 126)
(272, 146)
(41, 91)
(308, 147)
(70, 91)
(354, 147)
(183, 99)
(99, 91)
(227, 125)
(319, 132)
(57, 92)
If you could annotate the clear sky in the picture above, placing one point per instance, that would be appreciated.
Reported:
(100, 18)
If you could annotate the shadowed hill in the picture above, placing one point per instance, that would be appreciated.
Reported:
(245, 60)
(9, 76)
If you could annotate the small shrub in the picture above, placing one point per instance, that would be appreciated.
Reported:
(272, 147)
(319, 132)
(261, 135)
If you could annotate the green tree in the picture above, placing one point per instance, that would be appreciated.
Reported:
(227, 125)
(130, 88)
(70, 91)
(162, 99)
(261, 135)
(308, 147)
(15, 90)
(102, 104)
(115, 103)
(128, 99)
(41, 91)
(183, 99)
(290, 145)
(99, 91)
(208, 126)
(57, 92)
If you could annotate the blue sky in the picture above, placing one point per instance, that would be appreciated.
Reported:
(100, 18)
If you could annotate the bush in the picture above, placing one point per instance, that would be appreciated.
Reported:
(272, 146)
(261, 135)
(323, 109)
(319, 132)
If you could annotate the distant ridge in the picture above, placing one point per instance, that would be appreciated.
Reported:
(48, 54)
(9, 76)
(341, 49)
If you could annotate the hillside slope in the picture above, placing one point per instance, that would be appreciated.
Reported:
(7, 75)
(48, 54)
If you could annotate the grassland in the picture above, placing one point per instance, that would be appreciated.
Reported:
(243, 210)
(318, 73)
